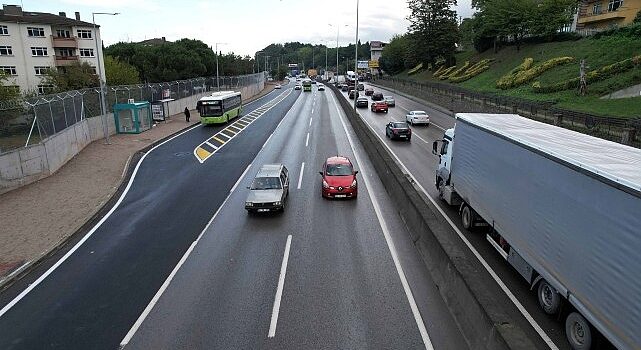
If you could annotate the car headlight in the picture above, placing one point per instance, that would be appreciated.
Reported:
(353, 185)
(249, 204)
(325, 184)
(277, 203)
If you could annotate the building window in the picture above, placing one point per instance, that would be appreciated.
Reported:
(614, 5)
(45, 89)
(63, 33)
(41, 70)
(86, 53)
(66, 52)
(39, 51)
(6, 51)
(4, 30)
(36, 32)
(9, 70)
(84, 34)
(596, 8)
(93, 70)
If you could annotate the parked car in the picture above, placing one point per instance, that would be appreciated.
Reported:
(344, 87)
(297, 87)
(362, 102)
(389, 100)
(269, 189)
(361, 87)
(417, 117)
(338, 178)
(398, 130)
(369, 92)
(379, 106)
(321, 87)
(377, 96)
(353, 94)
(277, 86)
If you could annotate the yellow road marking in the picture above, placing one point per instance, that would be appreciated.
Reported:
(202, 153)
(229, 130)
(219, 140)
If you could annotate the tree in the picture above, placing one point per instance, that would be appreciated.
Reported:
(120, 73)
(72, 77)
(433, 29)
(7, 92)
(393, 58)
(637, 19)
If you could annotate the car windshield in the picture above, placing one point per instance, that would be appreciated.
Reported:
(266, 183)
(399, 125)
(389, 98)
(419, 113)
(338, 170)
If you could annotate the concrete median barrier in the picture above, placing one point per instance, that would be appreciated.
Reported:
(483, 312)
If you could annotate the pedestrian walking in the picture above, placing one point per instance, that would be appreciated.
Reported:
(187, 114)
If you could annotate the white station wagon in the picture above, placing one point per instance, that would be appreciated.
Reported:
(417, 117)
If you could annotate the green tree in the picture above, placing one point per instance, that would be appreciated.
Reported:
(72, 77)
(637, 19)
(393, 58)
(120, 73)
(433, 30)
(7, 92)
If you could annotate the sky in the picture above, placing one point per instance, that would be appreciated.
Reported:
(240, 26)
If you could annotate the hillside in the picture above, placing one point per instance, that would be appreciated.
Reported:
(598, 51)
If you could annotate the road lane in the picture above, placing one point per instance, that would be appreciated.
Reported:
(93, 297)
(419, 161)
(341, 288)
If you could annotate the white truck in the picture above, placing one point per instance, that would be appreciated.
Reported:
(563, 208)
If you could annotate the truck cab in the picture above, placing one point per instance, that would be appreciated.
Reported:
(443, 149)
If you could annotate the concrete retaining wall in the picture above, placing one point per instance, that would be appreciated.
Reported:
(29, 164)
(483, 312)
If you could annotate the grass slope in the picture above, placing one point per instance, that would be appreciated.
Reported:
(597, 52)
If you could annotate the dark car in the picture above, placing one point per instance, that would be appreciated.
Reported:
(269, 190)
(369, 92)
(398, 130)
(377, 96)
(338, 178)
(379, 106)
(321, 87)
(353, 94)
(362, 102)
(344, 87)
(361, 87)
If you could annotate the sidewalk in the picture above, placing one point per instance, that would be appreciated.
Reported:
(35, 218)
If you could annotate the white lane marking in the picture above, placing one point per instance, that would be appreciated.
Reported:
(307, 140)
(310, 121)
(390, 243)
(91, 232)
(312, 110)
(279, 289)
(487, 267)
(300, 177)
(165, 284)
(210, 145)
(420, 138)
(269, 138)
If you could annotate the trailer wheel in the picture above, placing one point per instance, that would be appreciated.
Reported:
(549, 298)
(466, 217)
(578, 332)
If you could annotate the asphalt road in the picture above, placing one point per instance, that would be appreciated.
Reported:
(417, 157)
(180, 264)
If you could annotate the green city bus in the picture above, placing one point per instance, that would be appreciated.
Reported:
(307, 85)
(219, 107)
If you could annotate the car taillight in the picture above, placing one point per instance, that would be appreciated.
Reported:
(353, 185)
(409, 131)
(325, 184)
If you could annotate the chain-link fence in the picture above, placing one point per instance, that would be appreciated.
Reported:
(458, 99)
(28, 121)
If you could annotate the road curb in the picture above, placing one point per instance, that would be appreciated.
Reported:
(416, 99)
(73, 238)
(479, 309)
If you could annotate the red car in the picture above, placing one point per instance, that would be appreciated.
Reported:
(379, 106)
(338, 178)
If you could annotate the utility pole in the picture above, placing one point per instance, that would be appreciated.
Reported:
(217, 76)
(103, 87)
(583, 83)
(356, 60)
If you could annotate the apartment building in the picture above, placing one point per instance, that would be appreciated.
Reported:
(375, 52)
(595, 15)
(32, 42)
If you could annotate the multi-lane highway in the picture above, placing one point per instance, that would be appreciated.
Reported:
(178, 263)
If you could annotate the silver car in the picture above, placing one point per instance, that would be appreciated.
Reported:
(269, 190)
(389, 100)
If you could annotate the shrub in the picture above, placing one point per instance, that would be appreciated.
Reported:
(439, 71)
(459, 70)
(473, 71)
(415, 69)
(522, 75)
(446, 73)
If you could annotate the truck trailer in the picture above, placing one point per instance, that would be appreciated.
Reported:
(563, 208)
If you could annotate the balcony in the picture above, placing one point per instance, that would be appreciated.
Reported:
(65, 60)
(602, 16)
(59, 41)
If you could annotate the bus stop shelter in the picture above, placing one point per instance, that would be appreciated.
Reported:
(132, 118)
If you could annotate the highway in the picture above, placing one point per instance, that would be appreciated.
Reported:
(178, 263)
(416, 156)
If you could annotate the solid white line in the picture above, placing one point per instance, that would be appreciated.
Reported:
(300, 177)
(82, 241)
(279, 289)
(241, 176)
(310, 121)
(487, 267)
(390, 243)
(16, 271)
(307, 140)
(165, 284)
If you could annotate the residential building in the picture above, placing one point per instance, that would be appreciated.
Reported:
(596, 15)
(32, 42)
(375, 52)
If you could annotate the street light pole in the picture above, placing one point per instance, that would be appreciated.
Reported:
(356, 57)
(103, 105)
(217, 77)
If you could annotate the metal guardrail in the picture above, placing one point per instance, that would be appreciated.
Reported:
(27, 121)
(458, 99)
